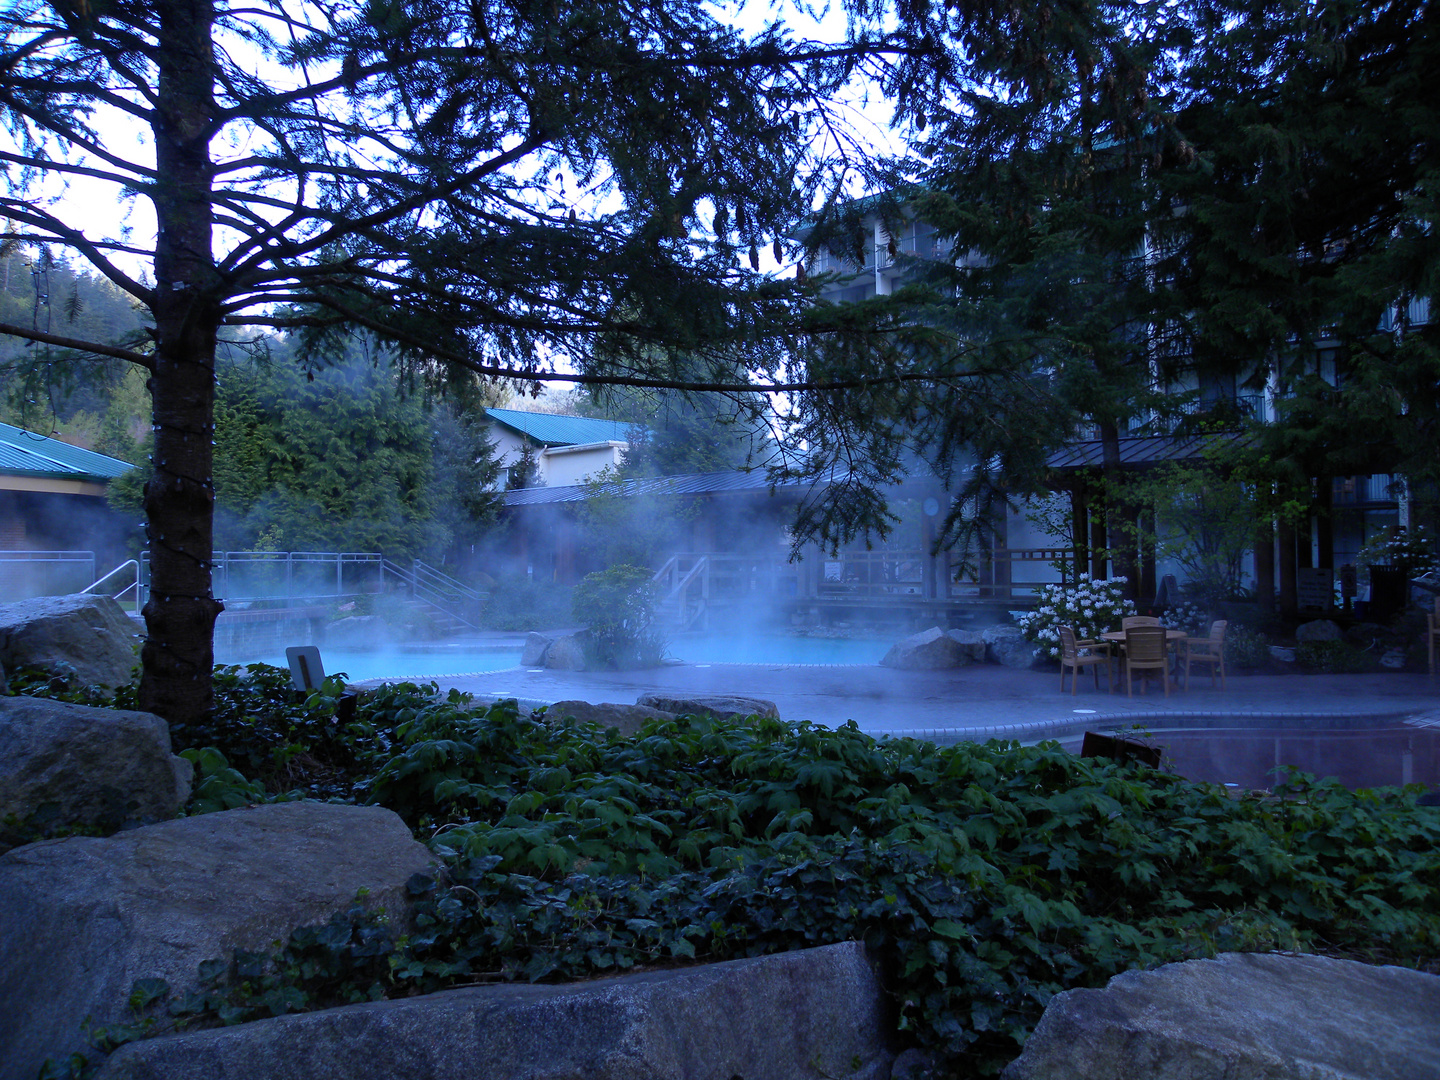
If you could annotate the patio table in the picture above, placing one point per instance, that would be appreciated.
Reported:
(1172, 638)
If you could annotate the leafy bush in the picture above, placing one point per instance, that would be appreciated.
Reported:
(1410, 550)
(1246, 648)
(289, 741)
(1091, 607)
(523, 603)
(1187, 616)
(1333, 658)
(617, 607)
(986, 878)
(217, 786)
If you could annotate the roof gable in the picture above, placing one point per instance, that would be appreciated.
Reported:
(549, 429)
(24, 453)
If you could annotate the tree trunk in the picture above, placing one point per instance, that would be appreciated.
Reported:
(1122, 516)
(178, 654)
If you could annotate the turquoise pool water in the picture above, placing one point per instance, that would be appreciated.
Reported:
(433, 661)
(778, 649)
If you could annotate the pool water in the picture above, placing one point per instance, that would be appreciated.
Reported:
(433, 661)
(1249, 757)
(777, 649)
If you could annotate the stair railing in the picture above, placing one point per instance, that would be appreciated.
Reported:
(438, 590)
(679, 602)
(133, 565)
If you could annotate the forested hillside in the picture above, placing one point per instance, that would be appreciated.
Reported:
(331, 455)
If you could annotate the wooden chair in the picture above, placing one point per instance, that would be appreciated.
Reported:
(1139, 620)
(1144, 650)
(1207, 650)
(1078, 654)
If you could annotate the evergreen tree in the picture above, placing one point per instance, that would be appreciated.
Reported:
(1140, 197)
(491, 184)
(47, 389)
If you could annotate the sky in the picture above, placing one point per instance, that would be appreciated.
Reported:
(100, 210)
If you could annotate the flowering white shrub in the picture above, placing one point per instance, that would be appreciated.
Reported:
(1091, 607)
(1186, 616)
(1410, 550)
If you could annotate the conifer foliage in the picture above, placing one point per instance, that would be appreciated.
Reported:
(495, 184)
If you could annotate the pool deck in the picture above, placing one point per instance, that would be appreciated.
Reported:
(981, 701)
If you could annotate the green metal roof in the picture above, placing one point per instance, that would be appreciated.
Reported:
(547, 429)
(24, 453)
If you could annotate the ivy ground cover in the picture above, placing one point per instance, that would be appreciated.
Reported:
(985, 877)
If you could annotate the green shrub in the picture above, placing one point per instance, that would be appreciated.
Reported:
(617, 608)
(216, 785)
(1246, 648)
(1189, 616)
(523, 603)
(1090, 607)
(1333, 658)
(986, 877)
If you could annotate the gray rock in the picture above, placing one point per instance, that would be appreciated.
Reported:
(87, 637)
(971, 642)
(1243, 1016)
(799, 1016)
(628, 718)
(536, 646)
(106, 768)
(913, 1064)
(83, 918)
(1366, 633)
(929, 650)
(722, 706)
(567, 653)
(1319, 630)
(1281, 654)
(1007, 646)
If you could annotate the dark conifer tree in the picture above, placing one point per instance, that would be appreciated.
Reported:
(491, 184)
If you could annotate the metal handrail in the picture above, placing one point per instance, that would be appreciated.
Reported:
(421, 589)
(678, 595)
(425, 583)
(133, 586)
(443, 582)
(44, 566)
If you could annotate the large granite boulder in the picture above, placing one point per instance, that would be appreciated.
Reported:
(1243, 1016)
(533, 654)
(971, 642)
(89, 638)
(1319, 630)
(105, 768)
(1006, 646)
(805, 1015)
(929, 650)
(81, 919)
(628, 719)
(567, 652)
(721, 706)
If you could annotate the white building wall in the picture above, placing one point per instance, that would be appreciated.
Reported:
(562, 466)
(559, 466)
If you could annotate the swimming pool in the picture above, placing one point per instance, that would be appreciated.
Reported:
(777, 649)
(433, 660)
(1249, 756)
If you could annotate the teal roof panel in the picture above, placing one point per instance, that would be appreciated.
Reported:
(24, 453)
(551, 430)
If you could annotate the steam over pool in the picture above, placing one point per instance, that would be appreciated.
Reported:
(435, 660)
